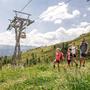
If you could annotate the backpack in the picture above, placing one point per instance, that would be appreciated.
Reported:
(83, 47)
(62, 57)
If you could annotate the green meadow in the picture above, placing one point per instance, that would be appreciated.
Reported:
(44, 77)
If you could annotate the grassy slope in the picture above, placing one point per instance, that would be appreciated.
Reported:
(49, 51)
(43, 77)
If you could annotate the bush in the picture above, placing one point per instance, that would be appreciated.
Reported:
(38, 60)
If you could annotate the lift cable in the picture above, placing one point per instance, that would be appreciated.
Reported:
(26, 5)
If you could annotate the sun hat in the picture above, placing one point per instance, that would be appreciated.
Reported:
(59, 49)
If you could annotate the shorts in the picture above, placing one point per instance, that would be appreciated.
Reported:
(83, 55)
(69, 61)
(57, 61)
(74, 55)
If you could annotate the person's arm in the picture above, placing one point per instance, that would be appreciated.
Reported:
(76, 51)
(66, 56)
(87, 49)
(80, 45)
(62, 56)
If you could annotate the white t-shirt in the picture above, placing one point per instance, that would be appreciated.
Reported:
(73, 49)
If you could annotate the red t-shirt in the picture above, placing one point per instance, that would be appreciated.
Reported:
(59, 55)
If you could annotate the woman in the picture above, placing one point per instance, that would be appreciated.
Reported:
(58, 57)
(74, 54)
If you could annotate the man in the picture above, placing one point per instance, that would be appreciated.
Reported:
(83, 52)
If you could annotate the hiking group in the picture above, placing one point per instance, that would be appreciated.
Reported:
(72, 54)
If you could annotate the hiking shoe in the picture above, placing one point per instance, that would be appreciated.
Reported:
(54, 66)
(83, 65)
(76, 65)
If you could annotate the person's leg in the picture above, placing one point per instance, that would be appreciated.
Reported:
(84, 62)
(81, 61)
(75, 60)
(54, 66)
(58, 66)
(54, 63)
(68, 63)
(72, 61)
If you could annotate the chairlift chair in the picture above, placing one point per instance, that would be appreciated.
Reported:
(23, 35)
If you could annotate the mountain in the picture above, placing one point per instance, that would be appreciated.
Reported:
(7, 50)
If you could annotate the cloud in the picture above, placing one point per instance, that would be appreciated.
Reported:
(58, 13)
(84, 15)
(7, 38)
(76, 13)
(36, 38)
(84, 24)
(58, 21)
(88, 8)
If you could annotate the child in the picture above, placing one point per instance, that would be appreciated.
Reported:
(69, 56)
(58, 57)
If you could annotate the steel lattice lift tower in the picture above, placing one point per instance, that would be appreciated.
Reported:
(19, 24)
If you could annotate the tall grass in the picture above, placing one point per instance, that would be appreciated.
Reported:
(44, 77)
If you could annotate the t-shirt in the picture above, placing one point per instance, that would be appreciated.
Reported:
(73, 49)
(83, 47)
(68, 56)
(59, 55)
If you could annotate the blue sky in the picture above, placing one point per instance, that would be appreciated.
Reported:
(55, 20)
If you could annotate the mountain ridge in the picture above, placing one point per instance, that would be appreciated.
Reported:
(7, 50)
